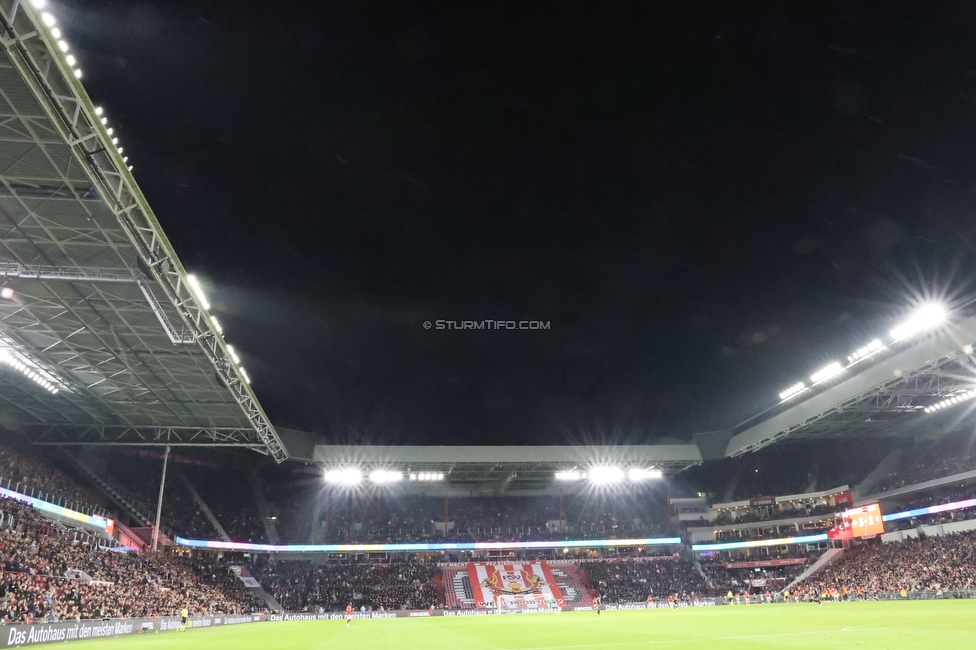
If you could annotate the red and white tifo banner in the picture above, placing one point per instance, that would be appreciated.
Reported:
(490, 580)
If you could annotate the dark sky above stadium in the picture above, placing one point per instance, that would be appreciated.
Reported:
(705, 201)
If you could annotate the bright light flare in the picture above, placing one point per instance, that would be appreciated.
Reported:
(570, 475)
(606, 475)
(644, 474)
(792, 390)
(827, 372)
(6, 293)
(861, 353)
(197, 289)
(958, 398)
(384, 476)
(7, 357)
(427, 476)
(925, 318)
(346, 476)
(233, 354)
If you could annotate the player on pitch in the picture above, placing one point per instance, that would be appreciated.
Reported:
(184, 614)
(348, 614)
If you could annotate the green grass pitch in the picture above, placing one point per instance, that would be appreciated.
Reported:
(939, 625)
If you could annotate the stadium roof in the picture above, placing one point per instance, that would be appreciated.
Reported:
(886, 397)
(102, 340)
(507, 468)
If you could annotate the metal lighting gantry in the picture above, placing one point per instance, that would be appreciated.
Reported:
(896, 394)
(93, 299)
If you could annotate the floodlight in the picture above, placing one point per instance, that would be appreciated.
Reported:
(104, 120)
(37, 4)
(925, 318)
(55, 32)
(244, 374)
(792, 390)
(71, 60)
(347, 476)
(63, 46)
(959, 398)
(78, 76)
(427, 476)
(867, 350)
(385, 476)
(827, 372)
(571, 475)
(6, 293)
(233, 354)
(98, 110)
(641, 474)
(6, 356)
(192, 280)
(606, 475)
(216, 324)
(48, 19)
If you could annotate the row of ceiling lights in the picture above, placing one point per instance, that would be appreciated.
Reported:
(201, 297)
(926, 318)
(52, 25)
(608, 475)
(35, 374)
(354, 476)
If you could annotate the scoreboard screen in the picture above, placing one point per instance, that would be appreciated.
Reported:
(865, 521)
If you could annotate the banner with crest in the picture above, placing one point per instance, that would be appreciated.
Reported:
(530, 578)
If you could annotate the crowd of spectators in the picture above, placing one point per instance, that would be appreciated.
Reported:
(943, 496)
(951, 455)
(301, 586)
(628, 581)
(230, 497)
(786, 510)
(938, 563)
(48, 574)
(492, 519)
(752, 534)
(28, 472)
(138, 474)
(738, 580)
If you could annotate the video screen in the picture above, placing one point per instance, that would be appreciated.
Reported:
(865, 521)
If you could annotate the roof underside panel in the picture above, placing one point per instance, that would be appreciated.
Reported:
(100, 300)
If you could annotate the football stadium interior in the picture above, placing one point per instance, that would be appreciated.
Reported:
(140, 475)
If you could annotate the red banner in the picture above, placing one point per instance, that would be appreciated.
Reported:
(762, 501)
(843, 499)
(490, 580)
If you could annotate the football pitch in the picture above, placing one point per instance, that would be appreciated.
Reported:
(942, 625)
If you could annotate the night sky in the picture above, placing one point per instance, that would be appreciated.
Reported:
(705, 206)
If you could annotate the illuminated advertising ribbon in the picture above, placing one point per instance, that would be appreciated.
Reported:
(420, 547)
(931, 510)
(60, 511)
(782, 541)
